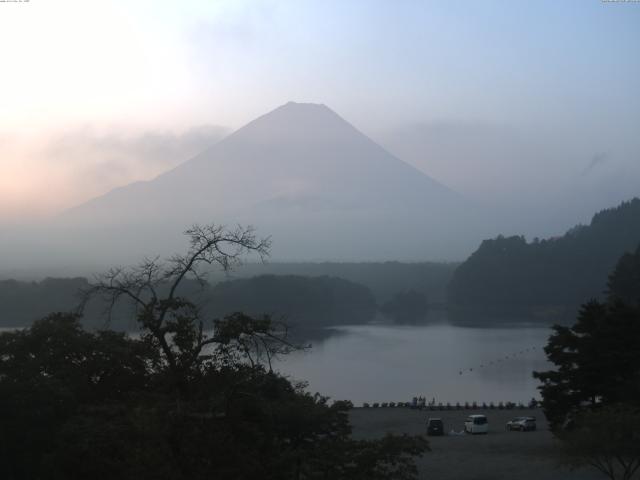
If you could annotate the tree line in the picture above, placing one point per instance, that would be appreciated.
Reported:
(592, 395)
(190, 398)
(509, 274)
(306, 302)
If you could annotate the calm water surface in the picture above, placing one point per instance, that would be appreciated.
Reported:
(383, 363)
(390, 363)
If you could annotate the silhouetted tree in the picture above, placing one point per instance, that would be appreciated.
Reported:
(624, 282)
(597, 361)
(188, 399)
(167, 319)
(607, 439)
(592, 397)
(49, 373)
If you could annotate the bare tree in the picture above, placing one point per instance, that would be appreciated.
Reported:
(172, 321)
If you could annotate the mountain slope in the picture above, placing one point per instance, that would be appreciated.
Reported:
(302, 174)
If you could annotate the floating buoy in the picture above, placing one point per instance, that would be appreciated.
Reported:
(510, 356)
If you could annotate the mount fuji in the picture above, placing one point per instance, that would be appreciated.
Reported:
(301, 174)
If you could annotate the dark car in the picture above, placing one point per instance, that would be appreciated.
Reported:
(522, 424)
(435, 426)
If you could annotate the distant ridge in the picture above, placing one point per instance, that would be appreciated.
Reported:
(555, 275)
(305, 176)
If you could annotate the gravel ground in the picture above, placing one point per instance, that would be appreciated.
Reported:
(496, 456)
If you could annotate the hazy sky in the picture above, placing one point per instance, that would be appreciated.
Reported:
(91, 91)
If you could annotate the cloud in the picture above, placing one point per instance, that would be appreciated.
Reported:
(117, 153)
(48, 174)
(482, 160)
(536, 181)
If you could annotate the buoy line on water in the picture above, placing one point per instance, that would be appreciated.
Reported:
(499, 360)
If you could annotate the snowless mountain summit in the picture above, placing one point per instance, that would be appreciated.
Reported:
(301, 174)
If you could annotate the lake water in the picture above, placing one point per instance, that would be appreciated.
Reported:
(388, 363)
(392, 363)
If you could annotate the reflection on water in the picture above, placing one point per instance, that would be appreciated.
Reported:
(390, 363)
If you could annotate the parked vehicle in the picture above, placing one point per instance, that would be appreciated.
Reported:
(476, 424)
(435, 427)
(522, 424)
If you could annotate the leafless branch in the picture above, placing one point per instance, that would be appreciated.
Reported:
(142, 286)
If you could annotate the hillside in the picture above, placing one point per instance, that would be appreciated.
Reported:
(300, 301)
(509, 274)
(301, 174)
(303, 302)
(384, 279)
(24, 302)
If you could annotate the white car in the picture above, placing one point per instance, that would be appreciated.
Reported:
(476, 424)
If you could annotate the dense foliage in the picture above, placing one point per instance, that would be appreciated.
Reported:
(597, 361)
(408, 306)
(508, 273)
(624, 282)
(384, 279)
(23, 302)
(309, 302)
(337, 292)
(191, 398)
(592, 397)
(607, 439)
(302, 301)
(78, 405)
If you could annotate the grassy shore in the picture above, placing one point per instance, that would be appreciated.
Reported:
(496, 456)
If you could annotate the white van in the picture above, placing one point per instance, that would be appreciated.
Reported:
(476, 424)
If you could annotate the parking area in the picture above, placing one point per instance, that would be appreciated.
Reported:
(500, 454)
